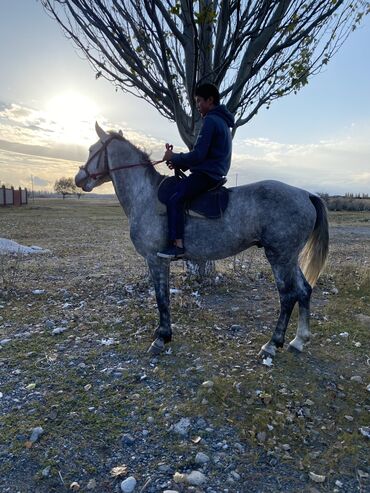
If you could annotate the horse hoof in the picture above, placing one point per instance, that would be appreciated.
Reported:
(294, 350)
(267, 350)
(156, 347)
(265, 354)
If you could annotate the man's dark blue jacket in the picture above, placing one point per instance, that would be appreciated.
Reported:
(212, 151)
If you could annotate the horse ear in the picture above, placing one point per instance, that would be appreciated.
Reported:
(120, 132)
(101, 134)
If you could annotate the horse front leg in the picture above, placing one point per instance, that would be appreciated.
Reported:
(159, 271)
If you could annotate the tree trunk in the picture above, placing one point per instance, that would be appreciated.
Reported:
(202, 270)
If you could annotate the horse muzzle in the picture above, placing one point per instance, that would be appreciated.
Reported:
(81, 179)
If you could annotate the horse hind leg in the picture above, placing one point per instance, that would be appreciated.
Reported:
(303, 330)
(286, 281)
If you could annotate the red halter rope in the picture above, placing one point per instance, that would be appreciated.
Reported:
(94, 176)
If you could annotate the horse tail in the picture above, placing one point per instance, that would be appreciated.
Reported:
(313, 257)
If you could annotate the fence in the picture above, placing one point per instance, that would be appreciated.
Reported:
(10, 196)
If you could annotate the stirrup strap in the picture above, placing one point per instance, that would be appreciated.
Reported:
(218, 185)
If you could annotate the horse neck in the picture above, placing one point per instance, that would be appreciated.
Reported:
(136, 186)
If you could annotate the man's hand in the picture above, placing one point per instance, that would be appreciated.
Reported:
(168, 155)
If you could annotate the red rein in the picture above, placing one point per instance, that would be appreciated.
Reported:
(94, 176)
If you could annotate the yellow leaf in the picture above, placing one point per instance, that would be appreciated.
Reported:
(119, 471)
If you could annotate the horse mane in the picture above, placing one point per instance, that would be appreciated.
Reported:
(143, 155)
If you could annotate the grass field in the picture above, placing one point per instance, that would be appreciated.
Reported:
(300, 425)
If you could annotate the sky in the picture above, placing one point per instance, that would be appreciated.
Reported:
(318, 139)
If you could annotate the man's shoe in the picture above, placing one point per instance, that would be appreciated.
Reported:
(173, 253)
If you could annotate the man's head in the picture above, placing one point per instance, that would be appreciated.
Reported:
(206, 98)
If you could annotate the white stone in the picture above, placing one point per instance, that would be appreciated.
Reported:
(365, 431)
(128, 485)
(182, 427)
(107, 342)
(196, 478)
(58, 330)
(208, 384)
(201, 458)
(36, 433)
(38, 291)
(267, 361)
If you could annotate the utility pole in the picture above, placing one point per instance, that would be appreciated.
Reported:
(33, 194)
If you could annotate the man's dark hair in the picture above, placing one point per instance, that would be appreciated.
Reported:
(208, 90)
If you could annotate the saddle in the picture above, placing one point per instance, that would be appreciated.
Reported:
(211, 204)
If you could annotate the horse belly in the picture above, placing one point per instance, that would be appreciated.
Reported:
(220, 238)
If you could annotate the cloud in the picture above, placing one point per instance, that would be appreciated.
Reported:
(17, 169)
(29, 131)
(19, 114)
(32, 143)
(336, 165)
(23, 125)
(56, 150)
(40, 182)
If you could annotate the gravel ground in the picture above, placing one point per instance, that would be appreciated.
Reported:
(84, 408)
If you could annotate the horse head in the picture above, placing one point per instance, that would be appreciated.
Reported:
(95, 171)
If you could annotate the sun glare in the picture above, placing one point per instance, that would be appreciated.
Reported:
(72, 115)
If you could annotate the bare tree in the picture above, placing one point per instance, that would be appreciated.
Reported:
(65, 186)
(255, 50)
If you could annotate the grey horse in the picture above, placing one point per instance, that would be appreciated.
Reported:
(289, 223)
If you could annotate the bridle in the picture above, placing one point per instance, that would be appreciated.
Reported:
(107, 170)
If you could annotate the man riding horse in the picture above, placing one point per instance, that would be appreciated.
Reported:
(208, 163)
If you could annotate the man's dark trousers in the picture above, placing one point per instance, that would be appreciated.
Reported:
(187, 189)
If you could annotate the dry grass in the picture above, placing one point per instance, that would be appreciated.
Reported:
(291, 419)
